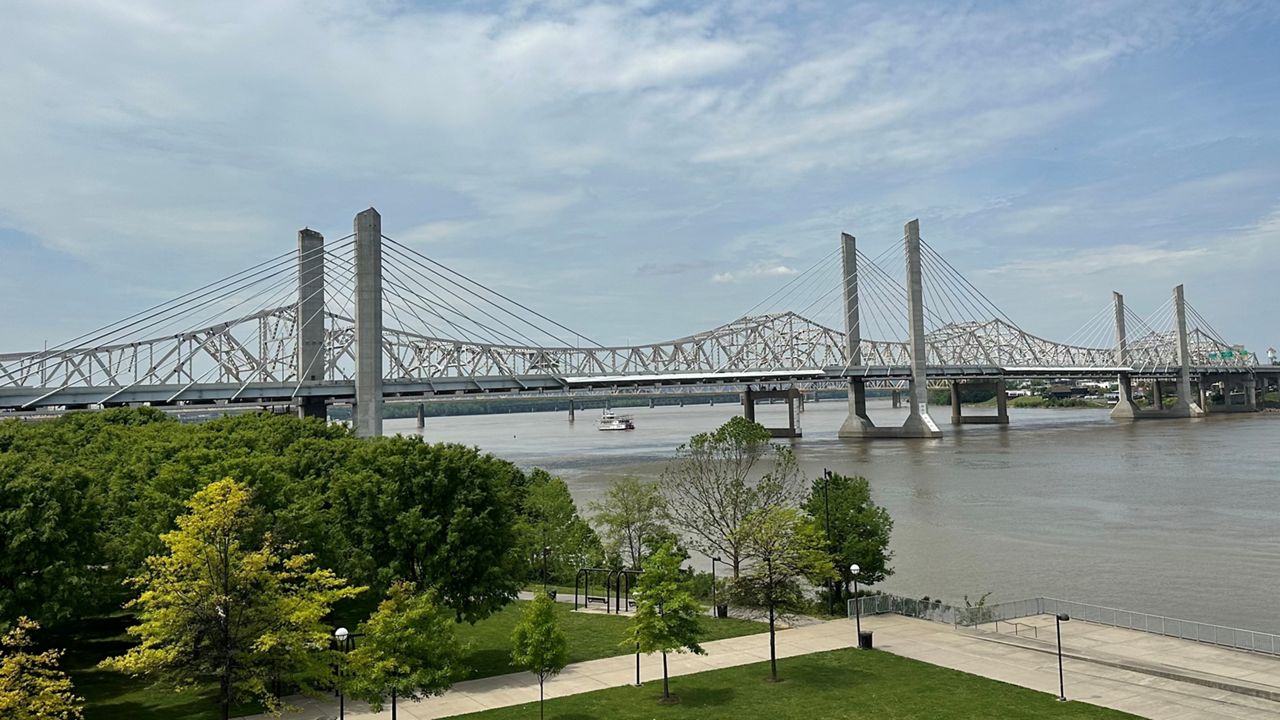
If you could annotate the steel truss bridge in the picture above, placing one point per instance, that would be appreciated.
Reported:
(367, 319)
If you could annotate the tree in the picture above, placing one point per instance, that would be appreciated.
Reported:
(538, 644)
(786, 548)
(859, 529)
(632, 515)
(709, 492)
(666, 618)
(440, 516)
(409, 649)
(227, 601)
(50, 561)
(548, 518)
(32, 686)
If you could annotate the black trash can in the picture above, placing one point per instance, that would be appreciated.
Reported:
(722, 611)
(864, 639)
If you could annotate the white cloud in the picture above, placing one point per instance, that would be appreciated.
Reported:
(760, 271)
(546, 141)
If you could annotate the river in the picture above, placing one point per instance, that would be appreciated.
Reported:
(1176, 517)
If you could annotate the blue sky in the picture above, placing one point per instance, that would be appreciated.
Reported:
(643, 170)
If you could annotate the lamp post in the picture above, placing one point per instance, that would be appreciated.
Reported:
(546, 550)
(341, 636)
(1062, 690)
(857, 606)
(715, 613)
(826, 508)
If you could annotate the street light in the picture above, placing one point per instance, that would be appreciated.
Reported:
(546, 550)
(341, 636)
(857, 606)
(1058, 620)
(714, 611)
(826, 509)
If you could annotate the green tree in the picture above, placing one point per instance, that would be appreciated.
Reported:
(538, 644)
(632, 514)
(32, 686)
(227, 601)
(50, 562)
(409, 650)
(859, 529)
(666, 618)
(709, 488)
(549, 519)
(439, 516)
(785, 548)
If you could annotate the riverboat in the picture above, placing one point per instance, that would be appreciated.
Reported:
(610, 421)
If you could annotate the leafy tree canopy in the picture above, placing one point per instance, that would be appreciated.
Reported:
(859, 529)
(227, 601)
(32, 687)
(408, 649)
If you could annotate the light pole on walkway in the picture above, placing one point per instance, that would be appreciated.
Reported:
(341, 636)
(857, 606)
(715, 612)
(1062, 690)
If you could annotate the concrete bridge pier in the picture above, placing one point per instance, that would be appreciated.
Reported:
(310, 320)
(1002, 406)
(422, 416)
(1156, 395)
(1126, 408)
(367, 412)
(896, 399)
(570, 410)
(1251, 394)
(750, 397)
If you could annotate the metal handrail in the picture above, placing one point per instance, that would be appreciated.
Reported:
(1208, 633)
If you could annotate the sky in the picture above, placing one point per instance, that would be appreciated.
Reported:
(641, 171)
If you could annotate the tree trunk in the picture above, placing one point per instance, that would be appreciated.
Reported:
(393, 704)
(773, 652)
(666, 689)
(541, 701)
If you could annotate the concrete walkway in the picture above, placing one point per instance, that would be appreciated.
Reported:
(1143, 674)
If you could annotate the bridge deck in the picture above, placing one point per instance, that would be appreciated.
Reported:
(33, 398)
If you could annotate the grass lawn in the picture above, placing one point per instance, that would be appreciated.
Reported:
(837, 684)
(112, 696)
(590, 635)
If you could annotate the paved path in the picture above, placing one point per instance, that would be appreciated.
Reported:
(1095, 669)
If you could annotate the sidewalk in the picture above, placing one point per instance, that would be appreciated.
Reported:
(1095, 669)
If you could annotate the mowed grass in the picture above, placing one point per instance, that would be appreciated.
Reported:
(591, 636)
(837, 684)
(113, 696)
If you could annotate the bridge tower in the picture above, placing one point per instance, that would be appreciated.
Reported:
(919, 424)
(367, 412)
(1185, 407)
(857, 424)
(1126, 408)
(311, 320)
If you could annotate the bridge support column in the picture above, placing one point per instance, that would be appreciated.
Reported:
(368, 341)
(1251, 394)
(896, 399)
(1202, 389)
(310, 320)
(1157, 395)
(422, 416)
(791, 395)
(999, 392)
(1186, 405)
(1126, 408)
(918, 423)
(571, 410)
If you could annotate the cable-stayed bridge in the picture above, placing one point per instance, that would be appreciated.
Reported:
(365, 319)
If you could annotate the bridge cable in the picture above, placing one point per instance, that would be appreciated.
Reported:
(451, 271)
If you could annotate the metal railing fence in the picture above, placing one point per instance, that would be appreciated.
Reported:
(938, 611)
